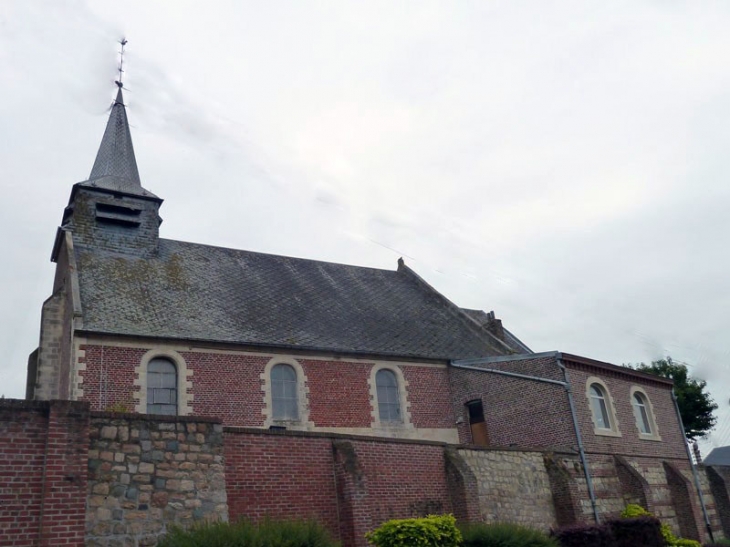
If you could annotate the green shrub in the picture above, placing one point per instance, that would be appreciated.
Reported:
(431, 531)
(670, 540)
(268, 533)
(632, 511)
(504, 535)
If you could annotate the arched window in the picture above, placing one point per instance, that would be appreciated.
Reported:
(386, 384)
(641, 413)
(284, 392)
(599, 408)
(161, 387)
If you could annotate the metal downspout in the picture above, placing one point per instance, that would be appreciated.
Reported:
(694, 469)
(566, 385)
(579, 439)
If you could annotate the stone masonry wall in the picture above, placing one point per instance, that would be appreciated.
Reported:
(512, 487)
(146, 473)
(718, 479)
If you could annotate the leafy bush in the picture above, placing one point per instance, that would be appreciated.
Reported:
(584, 536)
(431, 531)
(632, 511)
(630, 532)
(267, 533)
(504, 535)
(670, 540)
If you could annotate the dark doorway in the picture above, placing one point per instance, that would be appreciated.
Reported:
(477, 425)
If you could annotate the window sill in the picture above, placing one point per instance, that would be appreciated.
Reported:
(647, 437)
(392, 425)
(606, 432)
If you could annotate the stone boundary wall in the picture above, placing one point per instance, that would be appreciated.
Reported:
(512, 487)
(73, 477)
(149, 472)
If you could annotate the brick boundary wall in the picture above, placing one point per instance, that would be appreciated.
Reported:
(43, 472)
(351, 484)
(73, 477)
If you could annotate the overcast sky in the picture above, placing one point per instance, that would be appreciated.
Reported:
(562, 163)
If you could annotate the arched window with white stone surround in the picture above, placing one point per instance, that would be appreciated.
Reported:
(162, 387)
(386, 384)
(601, 405)
(644, 414)
(284, 397)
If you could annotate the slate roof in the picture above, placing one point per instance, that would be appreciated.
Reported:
(718, 456)
(482, 318)
(115, 167)
(199, 292)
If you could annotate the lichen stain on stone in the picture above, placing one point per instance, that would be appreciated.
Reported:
(175, 274)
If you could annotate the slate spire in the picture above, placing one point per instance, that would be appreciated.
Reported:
(115, 157)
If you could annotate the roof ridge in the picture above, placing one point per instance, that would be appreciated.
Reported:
(278, 255)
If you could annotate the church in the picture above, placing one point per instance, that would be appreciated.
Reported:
(138, 324)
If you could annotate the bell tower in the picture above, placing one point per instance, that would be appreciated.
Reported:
(111, 210)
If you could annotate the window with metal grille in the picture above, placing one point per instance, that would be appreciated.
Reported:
(386, 385)
(161, 387)
(599, 408)
(641, 414)
(284, 399)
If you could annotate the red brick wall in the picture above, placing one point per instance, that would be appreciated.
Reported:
(517, 412)
(65, 474)
(351, 485)
(43, 472)
(22, 454)
(429, 394)
(280, 476)
(619, 385)
(339, 394)
(229, 386)
(109, 375)
(386, 480)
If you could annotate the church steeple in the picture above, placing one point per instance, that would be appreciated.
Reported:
(111, 210)
(115, 167)
(115, 157)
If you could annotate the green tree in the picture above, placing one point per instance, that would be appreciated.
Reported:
(695, 404)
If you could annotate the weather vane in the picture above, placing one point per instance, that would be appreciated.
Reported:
(119, 83)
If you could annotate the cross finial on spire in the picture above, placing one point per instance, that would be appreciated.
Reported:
(119, 83)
